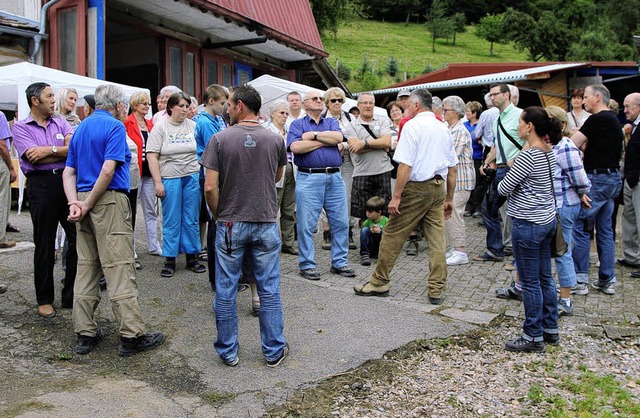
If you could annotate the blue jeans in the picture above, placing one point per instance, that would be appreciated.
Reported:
(314, 192)
(532, 251)
(564, 265)
(604, 189)
(491, 215)
(180, 213)
(260, 243)
(369, 242)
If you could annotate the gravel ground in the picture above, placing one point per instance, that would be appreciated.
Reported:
(473, 375)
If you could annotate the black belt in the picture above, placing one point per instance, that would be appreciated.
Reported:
(45, 173)
(502, 165)
(327, 170)
(602, 171)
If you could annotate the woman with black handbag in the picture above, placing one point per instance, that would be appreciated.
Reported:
(532, 209)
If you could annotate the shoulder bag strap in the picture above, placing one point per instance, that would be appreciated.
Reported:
(368, 129)
(504, 131)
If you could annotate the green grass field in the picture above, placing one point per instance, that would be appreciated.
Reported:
(411, 47)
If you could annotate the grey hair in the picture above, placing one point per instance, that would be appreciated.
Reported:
(602, 91)
(457, 104)
(437, 103)
(422, 97)
(194, 101)
(514, 92)
(278, 104)
(108, 96)
(170, 89)
(487, 100)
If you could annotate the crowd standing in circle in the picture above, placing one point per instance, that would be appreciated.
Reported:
(429, 164)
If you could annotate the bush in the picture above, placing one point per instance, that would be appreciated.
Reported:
(344, 73)
(392, 67)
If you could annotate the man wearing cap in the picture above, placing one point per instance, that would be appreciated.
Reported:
(42, 141)
(89, 105)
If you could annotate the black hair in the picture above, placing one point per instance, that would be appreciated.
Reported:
(543, 124)
(374, 204)
(175, 98)
(34, 90)
(249, 96)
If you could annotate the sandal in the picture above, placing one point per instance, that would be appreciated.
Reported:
(203, 256)
(168, 270)
(196, 267)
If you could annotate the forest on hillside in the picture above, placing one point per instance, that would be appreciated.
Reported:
(571, 30)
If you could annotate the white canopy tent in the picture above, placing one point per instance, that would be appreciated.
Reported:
(15, 78)
(274, 88)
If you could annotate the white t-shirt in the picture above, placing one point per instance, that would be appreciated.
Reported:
(427, 146)
(176, 146)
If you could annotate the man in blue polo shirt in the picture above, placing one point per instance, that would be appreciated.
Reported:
(96, 182)
(315, 143)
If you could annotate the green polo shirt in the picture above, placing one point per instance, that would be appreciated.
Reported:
(510, 119)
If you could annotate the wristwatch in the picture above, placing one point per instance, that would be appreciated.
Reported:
(366, 144)
(54, 149)
(315, 136)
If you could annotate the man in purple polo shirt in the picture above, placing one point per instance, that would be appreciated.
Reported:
(42, 143)
(315, 143)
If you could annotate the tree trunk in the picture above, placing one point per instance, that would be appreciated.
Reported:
(433, 44)
(454, 37)
(491, 49)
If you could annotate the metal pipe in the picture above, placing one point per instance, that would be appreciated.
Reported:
(37, 39)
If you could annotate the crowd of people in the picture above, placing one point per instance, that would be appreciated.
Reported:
(238, 187)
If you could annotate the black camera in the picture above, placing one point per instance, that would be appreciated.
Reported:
(489, 172)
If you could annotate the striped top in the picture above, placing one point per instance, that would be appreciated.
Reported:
(529, 187)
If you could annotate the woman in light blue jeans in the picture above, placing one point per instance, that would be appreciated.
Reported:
(570, 183)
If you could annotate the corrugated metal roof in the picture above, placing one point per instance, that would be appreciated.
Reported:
(290, 20)
(503, 77)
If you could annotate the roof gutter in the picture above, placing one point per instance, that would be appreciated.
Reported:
(42, 33)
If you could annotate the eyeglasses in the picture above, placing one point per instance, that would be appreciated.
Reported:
(367, 103)
(145, 103)
(336, 101)
(447, 110)
(284, 113)
(495, 94)
(316, 98)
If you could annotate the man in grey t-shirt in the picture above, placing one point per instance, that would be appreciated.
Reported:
(369, 139)
(243, 164)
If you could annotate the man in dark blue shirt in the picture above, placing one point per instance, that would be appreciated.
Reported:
(96, 182)
(315, 143)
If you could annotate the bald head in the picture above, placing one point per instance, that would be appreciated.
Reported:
(632, 106)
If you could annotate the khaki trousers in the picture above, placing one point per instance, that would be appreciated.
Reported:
(454, 226)
(5, 196)
(105, 245)
(422, 203)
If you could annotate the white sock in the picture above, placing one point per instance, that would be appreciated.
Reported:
(567, 301)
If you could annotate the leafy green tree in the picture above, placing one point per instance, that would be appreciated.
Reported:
(329, 14)
(392, 67)
(458, 24)
(596, 45)
(490, 28)
(439, 25)
(344, 73)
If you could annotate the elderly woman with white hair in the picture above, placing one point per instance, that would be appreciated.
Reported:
(286, 187)
(453, 108)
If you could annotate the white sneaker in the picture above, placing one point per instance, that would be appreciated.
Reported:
(457, 258)
(449, 253)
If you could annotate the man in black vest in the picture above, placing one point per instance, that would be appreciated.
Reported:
(631, 214)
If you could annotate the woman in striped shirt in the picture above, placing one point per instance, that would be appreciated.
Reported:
(531, 206)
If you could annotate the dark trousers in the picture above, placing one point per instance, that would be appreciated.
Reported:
(477, 195)
(48, 207)
(133, 202)
(211, 251)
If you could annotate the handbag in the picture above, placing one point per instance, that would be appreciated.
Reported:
(558, 245)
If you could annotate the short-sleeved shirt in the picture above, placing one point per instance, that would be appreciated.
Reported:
(484, 129)
(604, 133)
(382, 223)
(510, 118)
(176, 146)
(206, 126)
(5, 132)
(27, 133)
(327, 156)
(247, 159)
(99, 138)
(427, 147)
(466, 178)
(376, 161)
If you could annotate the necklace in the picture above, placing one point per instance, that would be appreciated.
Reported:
(248, 120)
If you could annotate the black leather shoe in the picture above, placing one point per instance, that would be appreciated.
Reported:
(344, 271)
(625, 263)
(551, 339)
(289, 250)
(145, 342)
(635, 274)
(435, 301)
(85, 344)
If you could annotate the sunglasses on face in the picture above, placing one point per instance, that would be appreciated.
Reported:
(336, 101)
(315, 98)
